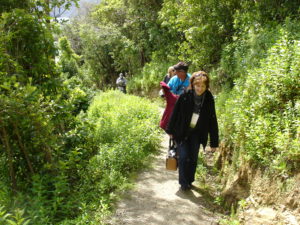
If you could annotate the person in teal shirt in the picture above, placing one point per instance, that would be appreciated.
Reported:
(179, 83)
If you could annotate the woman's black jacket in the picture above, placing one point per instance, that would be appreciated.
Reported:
(179, 123)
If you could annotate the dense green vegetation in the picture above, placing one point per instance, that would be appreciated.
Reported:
(90, 162)
(261, 119)
(67, 147)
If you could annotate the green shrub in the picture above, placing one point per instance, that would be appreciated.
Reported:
(91, 160)
(149, 78)
(251, 43)
(123, 130)
(260, 119)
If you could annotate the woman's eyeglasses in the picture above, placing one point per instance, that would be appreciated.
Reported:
(200, 74)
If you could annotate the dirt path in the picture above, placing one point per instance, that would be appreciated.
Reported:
(157, 200)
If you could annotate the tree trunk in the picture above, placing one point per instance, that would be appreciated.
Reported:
(24, 150)
(12, 174)
(142, 54)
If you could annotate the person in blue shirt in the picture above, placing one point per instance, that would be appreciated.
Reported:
(179, 83)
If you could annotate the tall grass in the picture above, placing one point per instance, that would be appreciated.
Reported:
(109, 142)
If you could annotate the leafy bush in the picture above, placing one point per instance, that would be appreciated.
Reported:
(254, 36)
(90, 162)
(123, 131)
(15, 218)
(201, 28)
(261, 117)
(149, 77)
(19, 30)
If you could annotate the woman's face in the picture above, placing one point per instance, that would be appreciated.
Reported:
(181, 74)
(199, 88)
(171, 72)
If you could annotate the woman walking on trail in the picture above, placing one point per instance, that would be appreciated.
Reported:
(193, 118)
(169, 75)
